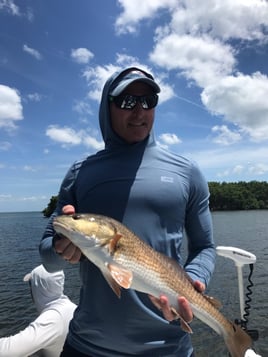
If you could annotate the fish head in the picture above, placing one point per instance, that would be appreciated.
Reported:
(89, 229)
(98, 238)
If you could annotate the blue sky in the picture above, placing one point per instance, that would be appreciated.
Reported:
(209, 57)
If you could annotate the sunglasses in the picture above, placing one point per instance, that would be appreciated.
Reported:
(128, 101)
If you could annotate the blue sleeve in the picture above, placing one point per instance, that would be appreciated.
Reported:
(50, 259)
(198, 226)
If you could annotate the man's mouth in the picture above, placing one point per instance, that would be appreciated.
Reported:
(136, 125)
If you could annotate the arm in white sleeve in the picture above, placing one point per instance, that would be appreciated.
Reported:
(46, 332)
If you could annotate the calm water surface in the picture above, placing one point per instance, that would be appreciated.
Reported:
(19, 239)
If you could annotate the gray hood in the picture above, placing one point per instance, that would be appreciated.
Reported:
(110, 138)
(46, 287)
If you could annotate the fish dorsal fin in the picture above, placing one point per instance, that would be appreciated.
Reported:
(216, 303)
(112, 283)
(122, 276)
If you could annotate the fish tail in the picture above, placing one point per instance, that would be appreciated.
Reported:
(238, 342)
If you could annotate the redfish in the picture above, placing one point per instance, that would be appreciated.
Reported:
(126, 261)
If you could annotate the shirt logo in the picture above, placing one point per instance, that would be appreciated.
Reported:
(167, 179)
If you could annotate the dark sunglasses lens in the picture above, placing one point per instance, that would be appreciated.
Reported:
(129, 101)
(125, 101)
(149, 101)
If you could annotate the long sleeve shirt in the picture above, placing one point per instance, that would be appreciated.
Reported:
(44, 336)
(158, 195)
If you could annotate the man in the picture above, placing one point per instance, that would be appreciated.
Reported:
(46, 334)
(156, 194)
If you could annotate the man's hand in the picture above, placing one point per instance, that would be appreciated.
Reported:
(184, 311)
(64, 246)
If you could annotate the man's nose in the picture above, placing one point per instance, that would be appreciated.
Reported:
(138, 108)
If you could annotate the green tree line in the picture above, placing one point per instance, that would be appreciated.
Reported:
(224, 196)
(238, 195)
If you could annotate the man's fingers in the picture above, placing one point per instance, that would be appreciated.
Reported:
(64, 246)
(68, 209)
(75, 257)
(199, 286)
(155, 301)
(163, 305)
(67, 250)
(71, 253)
(185, 310)
(168, 314)
(61, 244)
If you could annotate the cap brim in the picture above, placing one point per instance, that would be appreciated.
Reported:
(125, 83)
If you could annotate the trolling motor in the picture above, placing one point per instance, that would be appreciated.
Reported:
(242, 257)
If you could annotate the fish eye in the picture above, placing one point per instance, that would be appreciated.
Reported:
(76, 216)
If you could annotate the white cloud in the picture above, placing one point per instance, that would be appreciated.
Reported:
(4, 198)
(81, 55)
(238, 169)
(82, 107)
(29, 168)
(32, 52)
(5, 145)
(69, 137)
(245, 161)
(93, 143)
(258, 169)
(97, 76)
(167, 91)
(12, 198)
(63, 135)
(225, 136)
(10, 7)
(10, 107)
(34, 97)
(33, 198)
(241, 99)
(201, 59)
(228, 19)
(134, 12)
(169, 139)
(241, 19)
(193, 42)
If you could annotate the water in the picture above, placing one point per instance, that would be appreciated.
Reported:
(20, 234)
(246, 230)
(19, 239)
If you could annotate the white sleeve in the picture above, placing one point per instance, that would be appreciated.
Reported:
(39, 334)
(251, 353)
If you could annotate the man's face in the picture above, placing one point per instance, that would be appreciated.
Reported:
(133, 125)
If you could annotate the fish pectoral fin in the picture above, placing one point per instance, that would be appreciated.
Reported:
(122, 276)
(113, 243)
(184, 325)
(112, 283)
(216, 303)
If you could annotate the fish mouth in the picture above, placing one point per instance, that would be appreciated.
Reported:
(60, 228)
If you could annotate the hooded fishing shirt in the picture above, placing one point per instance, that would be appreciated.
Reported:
(46, 334)
(156, 194)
